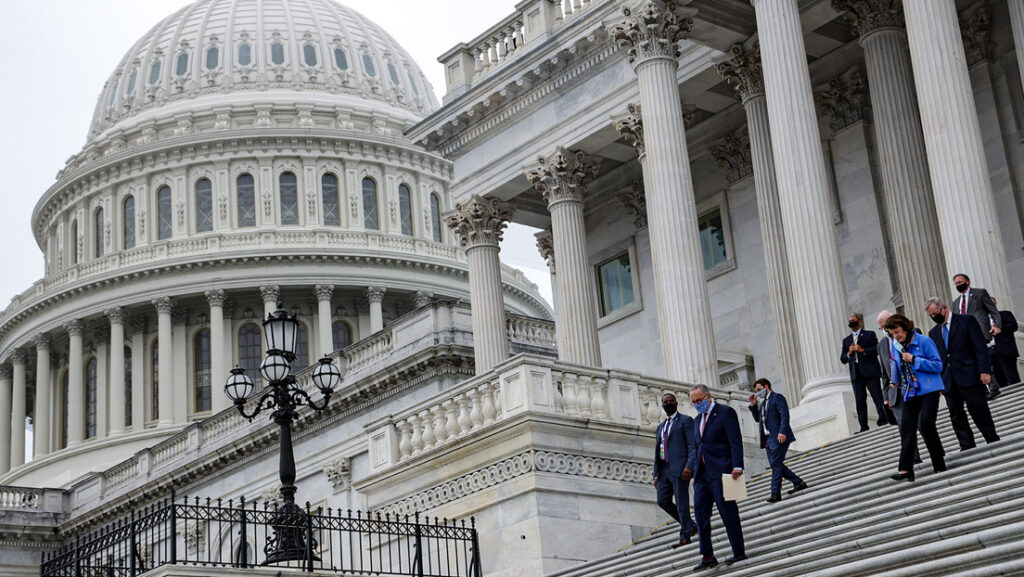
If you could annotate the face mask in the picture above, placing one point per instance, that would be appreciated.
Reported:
(670, 408)
(939, 318)
(961, 288)
(762, 394)
(853, 324)
(702, 406)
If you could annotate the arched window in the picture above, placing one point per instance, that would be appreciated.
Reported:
(97, 233)
(181, 66)
(329, 191)
(201, 376)
(113, 95)
(289, 198)
(341, 334)
(277, 53)
(128, 221)
(368, 66)
(154, 378)
(370, 204)
(131, 82)
(127, 386)
(405, 208)
(244, 54)
(154, 72)
(90, 398)
(164, 219)
(309, 54)
(435, 216)
(246, 200)
(412, 82)
(301, 349)
(74, 242)
(393, 74)
(250, 351)
(212, 57)
(340, 59)
(64, 410)
(204, 205)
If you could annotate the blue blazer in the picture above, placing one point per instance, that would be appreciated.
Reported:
(776, 418)
(863, 365)
(967, 356)
(680, 448)
(720, 449)
(927, 364)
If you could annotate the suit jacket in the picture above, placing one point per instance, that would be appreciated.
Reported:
(776, 419)
(862, 365)
(981, 307)
(720, 449)
(966, 357)
(891, 394)
(1006, 345)
(680, 447)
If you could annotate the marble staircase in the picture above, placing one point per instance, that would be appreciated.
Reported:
(856, 522)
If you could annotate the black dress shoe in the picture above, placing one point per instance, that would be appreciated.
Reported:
(706, 564)
(681, 543)
(863, 430)
(799, 487)
(693, 530)
(775, 498)
(909, 475)
(735, 558)
(941, 468)
(882, 423)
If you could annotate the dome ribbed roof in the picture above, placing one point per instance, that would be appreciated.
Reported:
(217, 47)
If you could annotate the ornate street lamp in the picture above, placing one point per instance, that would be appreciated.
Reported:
(284, 397)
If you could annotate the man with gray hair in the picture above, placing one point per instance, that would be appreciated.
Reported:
(860, 352)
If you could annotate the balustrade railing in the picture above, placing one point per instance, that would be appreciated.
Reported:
(454, 416)
(20, 498)
(369, 351)
(531, 333)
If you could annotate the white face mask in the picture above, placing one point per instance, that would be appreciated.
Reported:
(762, 394)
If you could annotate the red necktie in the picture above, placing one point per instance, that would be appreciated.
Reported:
(963, 304)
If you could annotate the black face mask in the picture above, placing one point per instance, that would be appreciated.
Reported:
(961, 288)
(670, 408)
(853, 324)
(939, 318)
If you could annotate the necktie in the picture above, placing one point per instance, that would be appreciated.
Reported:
(963, 304)
(945, 335)
(764, 421)
(664, 437)
(703, 422)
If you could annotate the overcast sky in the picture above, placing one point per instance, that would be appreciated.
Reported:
(58, 53)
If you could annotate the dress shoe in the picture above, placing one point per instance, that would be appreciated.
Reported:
(707, 563)
(882, 423)
(909, 475)
(775, 498)
(940, 468)
(993, 394)
(864, 430)
(735, 558)
(693, 531)
(798, 487)
(681, 543)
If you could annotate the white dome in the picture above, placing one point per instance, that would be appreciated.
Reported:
(300, 47)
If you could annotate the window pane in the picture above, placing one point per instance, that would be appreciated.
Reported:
(182, 65)
(154, 72)
(201, 378)
(74, 242)
(204, 205)
(212, 57)
(405, 208)
(301, 349)
(98, 233)
(329, 188)
(277, 53)
(90, 399)
(165, 224)
(113, 95)
(342, 334)
(435, 217)
(309, 54)
(246, 200)
(289, 199)
(712, 239)
(368, 65)
(131, 82)
(127, 386)
(250, 351)
(154, 391)
(129, 222)
(393, 74)
(244, 54)
(370, 204)
(616, 284)
(412, 82)
(340, 60)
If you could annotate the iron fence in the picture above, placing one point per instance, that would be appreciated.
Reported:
(217, 533)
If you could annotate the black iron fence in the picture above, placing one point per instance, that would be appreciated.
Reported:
(216, 533)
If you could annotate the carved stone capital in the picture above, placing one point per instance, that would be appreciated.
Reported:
(42, 342)
(163, 305)
(339, 474)
(375, 294)
(634, 200)
(845, 100)
(6, 372)
(115, 315)
(866, 16)
(564, 176)
(732, 154)
(19, 356)
(423, 298)
(631, 128)
(546, 246)
(976, 31)
(270, 293)
(323, 292)
(480, 221)
(215, 297)
(74, 328)
(743, 71)
(653, 31)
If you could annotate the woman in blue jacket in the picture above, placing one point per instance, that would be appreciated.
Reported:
(917, 371)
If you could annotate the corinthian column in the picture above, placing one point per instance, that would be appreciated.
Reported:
(563, 179)
(218, 361)
(165, 368)
(324, 292)
(6, 375)
(956, 155)
(479, 224)
(904, 163)
(743, 72)
(684, 313)
(20, 393)
(76, 383)
(118, 398)
(815, 270)
(375, 296)
(41, 422)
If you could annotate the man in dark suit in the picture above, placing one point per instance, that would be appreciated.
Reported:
(860, 352)
(719, 452)
(675, 456)
(977, 303)
(966, 371)
(771, 412)
(1005, 353)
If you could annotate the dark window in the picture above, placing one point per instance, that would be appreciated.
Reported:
(128, 215)
(246, 200)
(181, 67)
(405, 208)
(309, 54)
(342, 335)
(97, 233)
(90, 398)
(412, 82)
(277, 53)
(393, 74)
(340, 60)
(289, 199)
(212, 57)
(329, 191)
(301, 349)
(712, 239)
(154, 72)
(74, 242)
(368, 66)
(250, 351)
(201, 376)
(154, 391)
(64, 410)
(370, 204)
(204, 205)
(113, 95)
(615, 280)
(435, 216)
(244, 54)
(165, 224)
(131, 82)
(127, 386)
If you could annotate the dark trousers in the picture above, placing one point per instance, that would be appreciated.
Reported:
(1004, 369)
(898, 413)
(977, 404)
(861, 387)
(674, 488)
(919, 414)
(705, 492)
(779, 469)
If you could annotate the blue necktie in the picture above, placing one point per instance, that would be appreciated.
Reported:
(945, 336)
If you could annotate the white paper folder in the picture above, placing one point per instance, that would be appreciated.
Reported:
(734, 490)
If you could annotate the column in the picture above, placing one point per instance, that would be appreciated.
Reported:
(563, 179)
(218, 363)
(479, 224)
(956, 155)
(180, 351)
(165, 362)
(375, 296)
(44, 402)
(743, 72)
(101, 336)
(815, 270)
(325, 341)
(116, 372)
(18, 396)
(271, 294)
(684, 314)
(6, 379)
(76, 383)
(914, 227)
(1017, 27)
(137, 328)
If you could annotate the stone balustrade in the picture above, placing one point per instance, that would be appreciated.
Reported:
(31, 500)
(527, 334)
(369, 350)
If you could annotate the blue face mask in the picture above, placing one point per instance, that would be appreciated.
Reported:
(702, 406)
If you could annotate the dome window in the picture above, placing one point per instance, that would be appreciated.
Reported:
(405, 208)
(289, 198)
(113, 95)
(154, 72)
(340, 60)
(368, 66)
(393, 74)
(97, 233)
(128, 219)
(412, 82)
(181, 67)
(212, 57)
(370, 204)
(244, 54)
(204, 205)
(165, 224)
(246, 192)
(435, 216)
(277, 53)
(309, 54)
(329, 192)
(131, 82)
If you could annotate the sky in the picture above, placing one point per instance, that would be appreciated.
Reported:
(58, 53)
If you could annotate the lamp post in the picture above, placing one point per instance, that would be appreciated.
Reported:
(284, 398)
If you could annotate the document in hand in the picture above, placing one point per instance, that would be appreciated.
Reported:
(734, 489)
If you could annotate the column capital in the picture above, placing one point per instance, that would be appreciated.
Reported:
(976, 31)
(42, 342)
(631, 127)
(866, 16)
(74, 327)
(115, 315)
(6, 371)
(845, 100)
(215, 297)
(480, 220)
(375, 294)
(732, 154)
(653, 31)
(546, 246)
(423, 298)
(323, 292)
(743, 71)
(634, 200)
(270, 293)
(19, 356)
(563, 176)
(163, 305)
